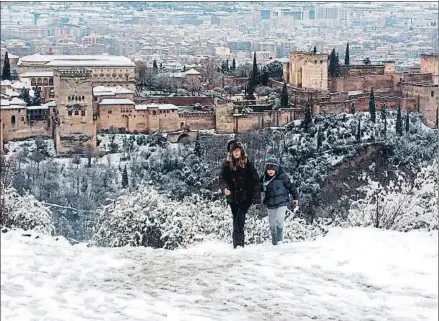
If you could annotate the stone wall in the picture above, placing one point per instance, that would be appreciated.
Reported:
(417, 77)
(225, 123)
(407, 104)
(339, 84)
(114, 116)
(177, 101)
(298, 96)
(198, 121)
(429, 64)
(361, 70)
(16, 126)
(428, 99)
(362, 104)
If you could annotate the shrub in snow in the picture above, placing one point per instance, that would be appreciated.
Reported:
(25, 212)
(148, 218)
(400, 205)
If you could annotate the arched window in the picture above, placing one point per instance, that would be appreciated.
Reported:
(13, 119)
(82, 97)
(45, 82)
(50, 81)
(154, 112)
(33, 82)
(432, 93)
(39, 82)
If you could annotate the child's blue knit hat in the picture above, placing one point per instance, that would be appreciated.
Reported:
(272, 163)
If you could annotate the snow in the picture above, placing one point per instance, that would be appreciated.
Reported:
(117, 101)
(110, 91)
(351, 274)
(12, 104)
(192, 71)
(37, 74)
(78, 60)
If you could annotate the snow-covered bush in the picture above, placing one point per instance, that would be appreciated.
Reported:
(25, 212)
(400, 205)
(148, 218)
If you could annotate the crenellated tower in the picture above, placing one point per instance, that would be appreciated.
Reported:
(75, 125)
(308, 70)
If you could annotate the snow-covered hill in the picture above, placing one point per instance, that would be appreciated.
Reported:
(351, 274)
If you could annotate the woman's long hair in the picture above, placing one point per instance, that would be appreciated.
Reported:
(241, 162)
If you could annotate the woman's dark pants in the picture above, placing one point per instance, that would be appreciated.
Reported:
(239, 210)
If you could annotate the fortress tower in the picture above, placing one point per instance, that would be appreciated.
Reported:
(308, 70)
(75, 127)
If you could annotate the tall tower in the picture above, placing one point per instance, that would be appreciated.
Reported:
(309, 70)
(75, 127)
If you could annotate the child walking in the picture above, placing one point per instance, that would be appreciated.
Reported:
(277, 188)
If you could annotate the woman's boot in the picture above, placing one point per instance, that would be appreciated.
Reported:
(274, 236)
(280, 234)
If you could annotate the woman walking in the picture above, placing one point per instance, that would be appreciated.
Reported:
(239, 181)
(277, 188)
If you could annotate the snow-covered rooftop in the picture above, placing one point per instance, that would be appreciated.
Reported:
(11, 93)
(192, 71)
(20, 85)
(110, 91)
(78, 60)
(12, 104)
(159, 106)
(116, 101)
(44, 106)
(28, 74)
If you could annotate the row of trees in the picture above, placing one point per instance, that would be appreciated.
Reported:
(334, 62)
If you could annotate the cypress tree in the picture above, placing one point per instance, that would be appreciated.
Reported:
(197, 147)
(358, 133)
(254, 77)
(250, 90)
(418, 105)
(398, 121)
(384, 118)
(332, 68)
(125, 177)
(346, 57)
(6, 73)
(334, 64)
(264, 77)
(319, 138)
(314, 50)
(155, 69)
(233, 64)
(284, 97)
(308, 115)
(407, 122)
(372, 106)
(337, 66)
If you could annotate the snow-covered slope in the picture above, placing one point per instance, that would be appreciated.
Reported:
(351, 274)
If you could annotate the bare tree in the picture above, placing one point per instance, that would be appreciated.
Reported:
(209, 71)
